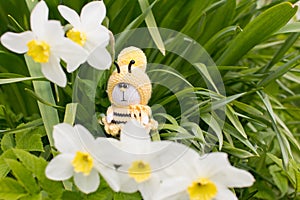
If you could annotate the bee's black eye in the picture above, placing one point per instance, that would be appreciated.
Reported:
(123, 85)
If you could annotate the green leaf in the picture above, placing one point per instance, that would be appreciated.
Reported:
(152, 27)
(124, 196)
(10, 189)
(30, 141)
(279, 179)
(16, 80)
(43, 89)
(7, 142)
(33, 197)
(71, 195)
(103, 193)
(257, 31)
(37, 166)
(4, 168)
(23, 175)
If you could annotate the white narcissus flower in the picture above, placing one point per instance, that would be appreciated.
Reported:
(46, 45)
(78, 152)
(206, 177)
(140, 162)
(88, 32)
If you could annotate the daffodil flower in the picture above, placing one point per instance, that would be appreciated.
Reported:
(79, 158)
(140, 162)
(88, 32)
(203, 178)
(46, 45)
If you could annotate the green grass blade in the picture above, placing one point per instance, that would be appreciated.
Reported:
(70, 113)
(43, 89)
(283, 144)
(230, 113)
(152, 26)
(282, 50)
(31, 4)
(257, 31)
(211, 44)
(279, 72)
(289, 28)
(16, 80)
(134, 24)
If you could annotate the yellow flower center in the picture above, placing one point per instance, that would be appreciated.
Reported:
(77, 36)
(83, 162)
(39, 51)
(140, 171)
(202, 189)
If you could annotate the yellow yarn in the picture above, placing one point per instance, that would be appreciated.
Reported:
(132, 53)
(137, 78)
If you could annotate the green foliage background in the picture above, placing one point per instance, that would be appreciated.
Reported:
(255, 50)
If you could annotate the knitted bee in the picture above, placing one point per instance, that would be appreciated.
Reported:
(129, 90)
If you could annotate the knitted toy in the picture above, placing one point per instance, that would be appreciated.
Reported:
(129, 90)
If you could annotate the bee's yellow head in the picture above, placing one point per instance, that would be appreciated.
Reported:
(131, 67)
(132, 53)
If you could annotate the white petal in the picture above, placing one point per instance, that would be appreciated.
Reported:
(71, 53)
(224, 193)
(65, 138)
(212, 163)
(127, 184)
(38, 17)
(92, 14)
(70, 15)
(17, 42)
(233, 177)
(60, 167)
(179, 196)
(85, 138)
(52, 33)
(148, 188)
(87, 184)
(172, 187)
(110, 151)
(100, 59)
(133, 132)
(53, 72)
(96, 38)
(110, 175)
(169, 153)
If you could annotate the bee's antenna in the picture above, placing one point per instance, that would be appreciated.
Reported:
(130, 64)
(117, 66)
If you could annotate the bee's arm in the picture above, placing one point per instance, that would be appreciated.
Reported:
(109, 114)
(148, 120)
